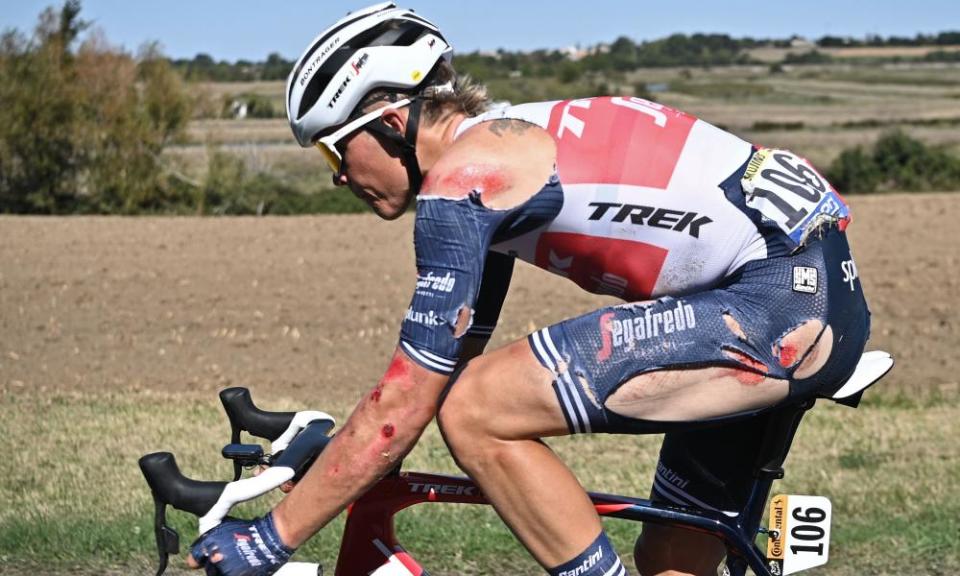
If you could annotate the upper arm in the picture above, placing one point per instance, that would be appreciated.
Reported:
(460, 284)
(451, 239)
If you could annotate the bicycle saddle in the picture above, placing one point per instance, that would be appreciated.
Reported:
(872, 366)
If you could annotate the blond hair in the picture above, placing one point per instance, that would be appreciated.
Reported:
(467, 97)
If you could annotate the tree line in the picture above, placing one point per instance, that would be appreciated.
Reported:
(84, 126)
(623, 54)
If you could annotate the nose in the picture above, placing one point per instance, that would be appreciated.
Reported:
(340, 179)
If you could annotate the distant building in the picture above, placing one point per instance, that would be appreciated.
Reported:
(574, 53)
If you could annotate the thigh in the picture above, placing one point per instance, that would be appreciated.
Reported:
(659, 366)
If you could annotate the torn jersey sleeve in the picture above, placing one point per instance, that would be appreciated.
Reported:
(451, 238)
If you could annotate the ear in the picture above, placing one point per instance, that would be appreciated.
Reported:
(396, 119)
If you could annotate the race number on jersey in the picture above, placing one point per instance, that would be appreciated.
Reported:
(787, 190)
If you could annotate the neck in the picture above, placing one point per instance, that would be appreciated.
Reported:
(434, 140)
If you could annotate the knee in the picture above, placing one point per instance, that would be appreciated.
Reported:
(460, 417)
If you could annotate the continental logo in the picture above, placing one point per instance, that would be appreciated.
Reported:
(676, 220)
(778, 511)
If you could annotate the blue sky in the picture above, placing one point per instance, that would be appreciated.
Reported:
(232, 29)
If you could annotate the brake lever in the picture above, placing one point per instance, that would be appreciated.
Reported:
(169, 486)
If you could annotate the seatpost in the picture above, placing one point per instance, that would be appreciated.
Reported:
(777, 439)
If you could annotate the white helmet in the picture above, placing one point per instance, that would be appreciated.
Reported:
(381, 46)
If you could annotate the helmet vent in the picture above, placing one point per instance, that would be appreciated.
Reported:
(321, 79)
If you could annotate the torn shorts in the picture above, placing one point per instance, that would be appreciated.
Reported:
(594, 354)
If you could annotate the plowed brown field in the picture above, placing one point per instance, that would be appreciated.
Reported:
(311, 306)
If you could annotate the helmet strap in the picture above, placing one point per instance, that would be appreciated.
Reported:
(410, 151)
(407, 143)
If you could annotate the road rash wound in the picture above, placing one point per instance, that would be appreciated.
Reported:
(399, 368)
(487, 180)
(788, 355)
(398, 371)
(388, 431)
(756, 373)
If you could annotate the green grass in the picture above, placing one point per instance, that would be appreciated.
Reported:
(724, 90)
(75, 502)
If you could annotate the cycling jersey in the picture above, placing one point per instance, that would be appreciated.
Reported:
(635, 209)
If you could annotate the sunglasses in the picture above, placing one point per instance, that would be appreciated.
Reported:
(328, 144)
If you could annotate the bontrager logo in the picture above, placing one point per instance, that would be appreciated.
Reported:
(587, 564)
(313, 64)
(431, 281)
(626, 331)
(428, 318)
(676, 220)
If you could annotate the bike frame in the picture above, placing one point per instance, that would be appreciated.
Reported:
(369, 542)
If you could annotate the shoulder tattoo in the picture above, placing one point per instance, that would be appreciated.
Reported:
(509, 126)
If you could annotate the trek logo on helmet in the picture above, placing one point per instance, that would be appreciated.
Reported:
(336, 96)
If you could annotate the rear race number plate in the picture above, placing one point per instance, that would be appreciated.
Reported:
(787, 190)
(802, 528)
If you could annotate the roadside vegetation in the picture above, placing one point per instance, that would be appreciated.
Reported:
(84, 127)
(887, 469)
(895, 162)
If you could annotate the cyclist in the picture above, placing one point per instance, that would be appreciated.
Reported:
(740, 292)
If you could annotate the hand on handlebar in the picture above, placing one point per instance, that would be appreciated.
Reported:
(240, 548)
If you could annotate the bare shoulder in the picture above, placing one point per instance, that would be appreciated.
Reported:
(506, 161)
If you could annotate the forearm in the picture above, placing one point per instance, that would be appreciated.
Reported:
(383, 428)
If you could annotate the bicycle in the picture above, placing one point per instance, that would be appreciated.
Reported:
(797, 539)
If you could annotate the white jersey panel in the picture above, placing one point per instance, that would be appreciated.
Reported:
(643, 213)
